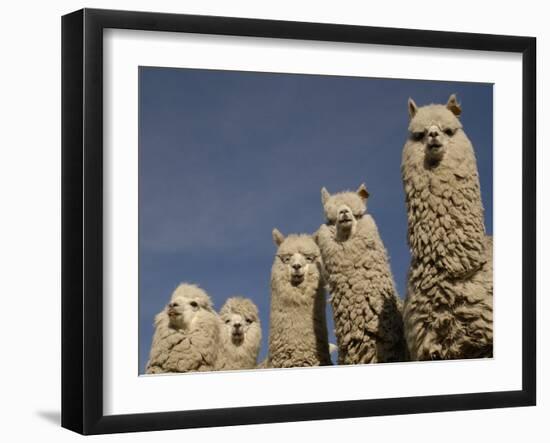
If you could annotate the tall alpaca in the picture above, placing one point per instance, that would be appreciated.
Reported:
(448, 310)
(241, 334)
(365, 304)
(298, 329)
(187, 333)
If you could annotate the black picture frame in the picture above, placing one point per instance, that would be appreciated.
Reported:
(82, 220)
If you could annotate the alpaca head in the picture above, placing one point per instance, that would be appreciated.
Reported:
(344, 209)
(298, 258)
(186, 304)
(434, 127)
(241, 321)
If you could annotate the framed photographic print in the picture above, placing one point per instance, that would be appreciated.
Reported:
(255, 210)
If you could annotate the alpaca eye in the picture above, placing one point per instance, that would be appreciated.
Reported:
(310, 258)
(285, 259)
(449, 132)
(227, 321)
(194, 304)
(418, 135)
(248, 321)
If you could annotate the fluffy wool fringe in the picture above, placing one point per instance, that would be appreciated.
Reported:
(245, 355)
(175, 350)
(448, 311)
(367, 318)
(298, 331)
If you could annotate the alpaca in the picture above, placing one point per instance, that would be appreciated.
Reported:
(365, 304)
(298, 330)
(187, 333)
(241, 334)
(448, 311)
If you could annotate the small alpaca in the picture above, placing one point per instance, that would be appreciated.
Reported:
(298, 330)
(187, 333)
(448, 311)
(365, 304)
(241, 334)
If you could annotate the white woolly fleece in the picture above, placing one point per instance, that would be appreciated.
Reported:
(192, 348)
(297, 331)
(367, 319)
(242, 354)
(448, 311)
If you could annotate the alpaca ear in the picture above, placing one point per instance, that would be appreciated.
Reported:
(412, 108)
(278, 238)
(453, 106)
(362, 191)
(324, 195)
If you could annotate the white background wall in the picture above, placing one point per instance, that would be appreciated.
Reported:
(30, 92)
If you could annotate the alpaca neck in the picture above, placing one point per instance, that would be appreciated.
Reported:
(445, 216)
(284, 293)
(295, 310)
(345, 232)
(244, 354)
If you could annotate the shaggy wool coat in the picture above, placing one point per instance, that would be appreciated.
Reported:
(194, 348)
(240, 355)
(298, 331)
(367, 319)
(184, 351)
(448, 311)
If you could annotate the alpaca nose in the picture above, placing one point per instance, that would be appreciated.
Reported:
(172, 305)
(237, 325)
(297, 266)
(344, 211)
(433, 133)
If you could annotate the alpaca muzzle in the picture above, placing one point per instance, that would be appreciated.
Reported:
(434, 144)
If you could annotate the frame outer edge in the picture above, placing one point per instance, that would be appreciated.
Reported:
(82, 217)
(92, 197)
(529, 272)
(72, 376)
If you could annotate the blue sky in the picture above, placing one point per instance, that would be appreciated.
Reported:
(225, 156)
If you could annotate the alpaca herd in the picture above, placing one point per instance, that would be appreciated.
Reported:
(448, 309)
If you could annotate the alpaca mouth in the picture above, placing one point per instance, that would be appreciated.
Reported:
(237, 337)
(434, 146)
(345, 224)
(172, 313)
(296, 279)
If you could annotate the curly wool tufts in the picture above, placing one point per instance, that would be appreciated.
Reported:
(367, 319)
(448, 311)
(187, 334)
(241, 334)
(297, 332)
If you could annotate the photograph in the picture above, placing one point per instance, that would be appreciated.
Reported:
(298, 220)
